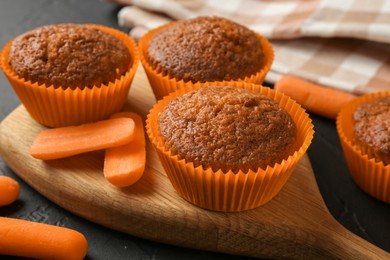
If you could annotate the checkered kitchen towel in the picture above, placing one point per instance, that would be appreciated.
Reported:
(340, 44)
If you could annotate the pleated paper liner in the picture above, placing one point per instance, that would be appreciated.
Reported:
(371, 175)
(56, 107)
(163, 85)
(230, 192)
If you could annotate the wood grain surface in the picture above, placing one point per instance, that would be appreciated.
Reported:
(295, 224)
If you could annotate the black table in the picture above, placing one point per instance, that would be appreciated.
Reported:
(358, 212)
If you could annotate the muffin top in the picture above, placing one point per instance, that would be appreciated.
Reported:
(227, 128)
(205, 49)
(69, 55)
(372, 124)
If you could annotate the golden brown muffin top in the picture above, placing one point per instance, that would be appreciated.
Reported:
(227, 128)
(206, 49)
(69, 55)
(372, 124)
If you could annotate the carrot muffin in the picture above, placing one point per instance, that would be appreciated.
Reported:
(203, 49)
(363, 126)
(372, 128)
(70, 74)
(228, 147)
(69, 55)
(206, 49)
(227, 128)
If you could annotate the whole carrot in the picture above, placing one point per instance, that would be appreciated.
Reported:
(124, 165)
(9, 190)
(320, 100)
(41, 241)
(67, 141)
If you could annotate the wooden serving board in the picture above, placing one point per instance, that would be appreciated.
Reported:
(295, 224)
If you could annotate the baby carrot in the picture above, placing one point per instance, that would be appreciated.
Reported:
(41, 241)
(71, 140)
(320, 100)
(9, 190)
(124, 165)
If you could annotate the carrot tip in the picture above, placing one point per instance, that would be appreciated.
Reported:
(40, 241)
(72, 140)
(315, 98)
(125, 165)
(9, 190)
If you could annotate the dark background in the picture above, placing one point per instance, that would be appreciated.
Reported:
(358, 212)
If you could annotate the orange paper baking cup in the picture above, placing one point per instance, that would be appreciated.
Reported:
(163, 85)
(56, 107)
(230, 192)
(371, 175)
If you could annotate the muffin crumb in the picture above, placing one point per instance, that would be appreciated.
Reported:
(69, 55)
(206, 49)
(372, 127)
(227, 128)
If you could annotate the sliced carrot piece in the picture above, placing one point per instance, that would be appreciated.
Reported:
(315, 98)
(125, 165)
(71, 140)
(9, 190)
(40, 241)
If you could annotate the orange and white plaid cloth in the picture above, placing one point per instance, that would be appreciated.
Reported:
(339, 44)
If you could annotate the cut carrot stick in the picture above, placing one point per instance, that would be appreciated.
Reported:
(125, 165)
(41, 241)
(318, 99)
(67, 141)
(9, 190)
